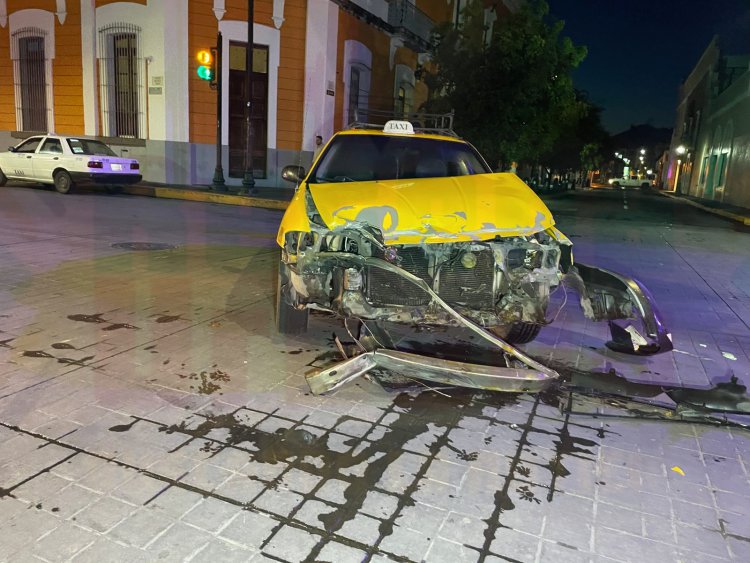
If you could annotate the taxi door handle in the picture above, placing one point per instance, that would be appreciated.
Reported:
(29, 156)
(56, 158)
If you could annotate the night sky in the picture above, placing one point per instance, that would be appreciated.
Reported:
(639, 51)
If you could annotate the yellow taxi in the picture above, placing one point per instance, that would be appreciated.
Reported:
(400, 224)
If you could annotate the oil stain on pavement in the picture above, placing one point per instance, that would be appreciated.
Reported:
(382, 459)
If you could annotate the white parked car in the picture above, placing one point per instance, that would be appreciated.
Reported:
(65, 162)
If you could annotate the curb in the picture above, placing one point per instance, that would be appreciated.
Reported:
(206, 197)
(745, 220)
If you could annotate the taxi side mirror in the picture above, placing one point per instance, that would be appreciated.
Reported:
(11, 149)
(293, 173)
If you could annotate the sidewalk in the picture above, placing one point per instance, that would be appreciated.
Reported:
(268, 198)
(733, 212)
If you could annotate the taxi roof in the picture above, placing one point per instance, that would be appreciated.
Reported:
(415, 135)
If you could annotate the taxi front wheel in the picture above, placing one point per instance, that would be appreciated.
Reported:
(63, 181)
(289, 320)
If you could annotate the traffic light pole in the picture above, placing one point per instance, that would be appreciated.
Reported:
(248, 181)
(218, 183)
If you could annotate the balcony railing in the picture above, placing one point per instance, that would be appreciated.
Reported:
(378, 8)
(410, 21)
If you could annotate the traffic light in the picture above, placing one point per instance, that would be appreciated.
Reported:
(207, 69)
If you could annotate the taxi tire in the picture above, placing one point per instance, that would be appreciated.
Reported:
(63, 182)
(3, 179)
(288, 319)
(521, 332)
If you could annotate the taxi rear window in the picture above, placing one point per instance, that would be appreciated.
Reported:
(89, 147)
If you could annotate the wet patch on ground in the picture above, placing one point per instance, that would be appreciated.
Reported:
(168, 318)
(392, 457)
(209, 380)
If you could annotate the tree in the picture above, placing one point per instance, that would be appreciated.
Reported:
(581, 145)
(512, 92)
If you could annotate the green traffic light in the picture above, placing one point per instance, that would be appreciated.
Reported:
(205, 73)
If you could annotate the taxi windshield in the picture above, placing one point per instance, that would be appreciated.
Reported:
(361, 158)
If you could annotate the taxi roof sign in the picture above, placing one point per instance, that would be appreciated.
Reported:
(400, 127)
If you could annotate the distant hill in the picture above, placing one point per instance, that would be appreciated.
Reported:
(642, 136)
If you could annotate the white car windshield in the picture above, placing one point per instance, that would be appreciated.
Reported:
(89, 147)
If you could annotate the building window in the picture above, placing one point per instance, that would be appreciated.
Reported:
(354, 95)
(704, 169)
(121, 81)
(722, 169)
(30, 79)
(403, 90)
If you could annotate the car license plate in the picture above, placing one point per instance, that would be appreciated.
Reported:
(117, 167)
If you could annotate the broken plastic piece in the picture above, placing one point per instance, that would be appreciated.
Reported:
(606, 295)
(679, 470)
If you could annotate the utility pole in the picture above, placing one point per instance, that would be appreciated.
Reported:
(218, 184)
(248, 181)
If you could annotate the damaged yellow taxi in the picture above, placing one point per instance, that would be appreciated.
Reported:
(402, 224)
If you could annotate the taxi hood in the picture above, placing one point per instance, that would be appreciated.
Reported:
(435, 210)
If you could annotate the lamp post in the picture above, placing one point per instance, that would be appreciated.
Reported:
(248, 181)
(218, 183)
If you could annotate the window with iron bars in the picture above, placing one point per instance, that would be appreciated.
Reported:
(121, 91)
(30, 69)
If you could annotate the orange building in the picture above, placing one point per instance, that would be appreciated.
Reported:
(125, 71)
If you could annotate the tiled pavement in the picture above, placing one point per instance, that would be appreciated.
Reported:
(148, 411)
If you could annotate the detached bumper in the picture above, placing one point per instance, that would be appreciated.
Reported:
(85, 178)
(415, 366)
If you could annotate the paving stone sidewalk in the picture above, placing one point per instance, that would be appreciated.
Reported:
(149, 411)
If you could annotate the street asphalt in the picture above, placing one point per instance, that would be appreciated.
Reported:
(149, 411)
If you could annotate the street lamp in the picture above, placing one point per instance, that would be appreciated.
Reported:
(643, 151)
(682, 149)
(248, 179)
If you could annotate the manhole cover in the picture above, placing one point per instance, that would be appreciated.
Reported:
(143, 245)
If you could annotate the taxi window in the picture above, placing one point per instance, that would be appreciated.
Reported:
(51, 146)
(358, 158)
(89, 147)
(29, 145)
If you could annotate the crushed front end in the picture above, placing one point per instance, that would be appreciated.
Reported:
(495, 283)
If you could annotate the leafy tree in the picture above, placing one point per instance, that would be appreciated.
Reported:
(511, 90)
(582, 144)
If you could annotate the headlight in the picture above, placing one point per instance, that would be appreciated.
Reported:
(610, 181)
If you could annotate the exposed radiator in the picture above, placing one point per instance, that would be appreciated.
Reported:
(388, 288)
(468, 286)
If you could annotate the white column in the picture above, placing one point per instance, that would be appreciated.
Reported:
(88, 63)
(175, 56)
(320, 71)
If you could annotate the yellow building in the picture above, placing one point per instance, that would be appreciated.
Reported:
(126, 72)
